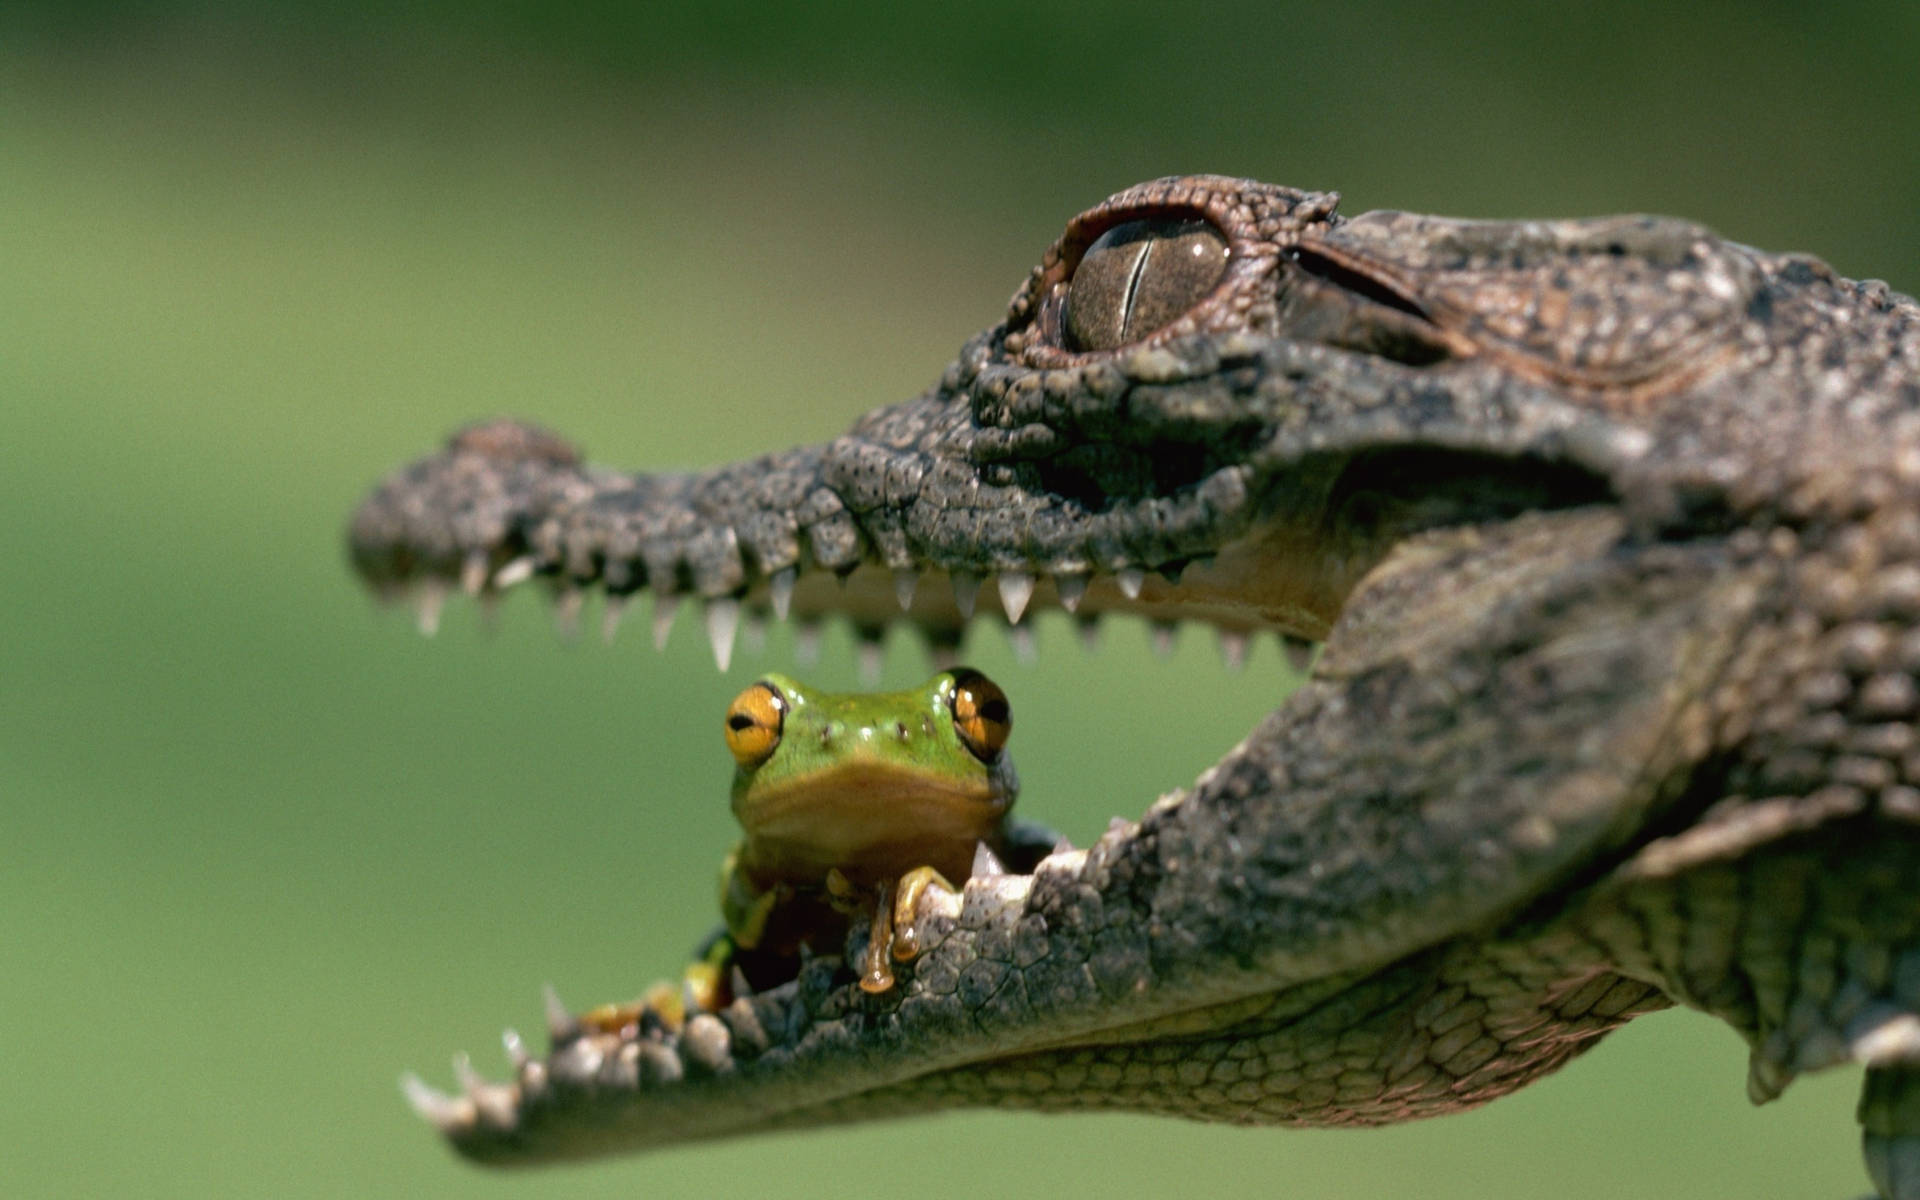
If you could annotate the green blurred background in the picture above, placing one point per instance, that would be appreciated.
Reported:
(262, 847)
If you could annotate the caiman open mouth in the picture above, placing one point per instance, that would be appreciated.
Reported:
(1150, 433)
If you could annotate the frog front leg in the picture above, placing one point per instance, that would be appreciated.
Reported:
(893, 921)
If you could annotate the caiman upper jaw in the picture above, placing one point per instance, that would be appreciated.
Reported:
(1191, 473)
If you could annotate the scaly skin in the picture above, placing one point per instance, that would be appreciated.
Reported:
(1612, 531)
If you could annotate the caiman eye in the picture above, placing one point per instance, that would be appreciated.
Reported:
(981, 714)
(754, 721)
(1138, 277)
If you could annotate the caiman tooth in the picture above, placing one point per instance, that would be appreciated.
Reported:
(723, 622)
(806, 642)
(780, 590)
(566, 612)
(610, 614)
(516, 1049)
(1063, 846)
(986, 864)
(432, 598)
(966, 590)
(1161, 633)
(493, 1103)
(517, 571)
(1233, 648)
(659, 1064)
(561, 1024)
(905, 581)
(1016, 588)
(1026, 650)
(943, 648)
(1130, 580)
(872, 656)
(621, 1071)
(1299, 652)
(706, 1043)
(1072, 589)
(1089, 629)
(473, 573)
(448, 1114)
(665, 605)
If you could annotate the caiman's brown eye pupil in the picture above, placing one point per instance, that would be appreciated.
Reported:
(1138, 277)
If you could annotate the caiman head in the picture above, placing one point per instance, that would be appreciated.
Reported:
(1218, 401)
(1213, 400)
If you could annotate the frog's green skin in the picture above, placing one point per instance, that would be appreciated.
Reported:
(878, 787)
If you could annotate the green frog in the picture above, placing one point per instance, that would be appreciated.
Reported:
(859, 804)
(854, 806)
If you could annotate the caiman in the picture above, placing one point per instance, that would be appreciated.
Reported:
(1609, 533)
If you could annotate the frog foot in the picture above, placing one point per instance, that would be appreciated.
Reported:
(894, 931)
(914, 887)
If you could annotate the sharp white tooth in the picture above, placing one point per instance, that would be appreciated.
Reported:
(1233, 648)
(1071, 589)
(468, 1078)
(665, 605)
(1025, 650)
(1063, 846)
(473, 572)
(566, 613)
(986, 864)
(433, 595)
(518, 571)
(516, 1049)
(1130, 581)
(753, 631)
(445, 1113)
(943, 648)
(723, 621)
(1089, 633)
(610, 614)
(873, 656)
(561, 1027)
(1016, 588)
(905, 580)
(1299, 652)
(1161, 634)
(806, 643)
(780, 589)
(966, 589)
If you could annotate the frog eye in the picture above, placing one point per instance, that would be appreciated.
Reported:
(1138, 277)
(981, 714)
(754, 721)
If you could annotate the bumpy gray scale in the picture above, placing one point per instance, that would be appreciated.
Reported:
(1611, 530)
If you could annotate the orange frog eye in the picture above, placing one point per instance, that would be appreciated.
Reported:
(981, 714)
(754, 721)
